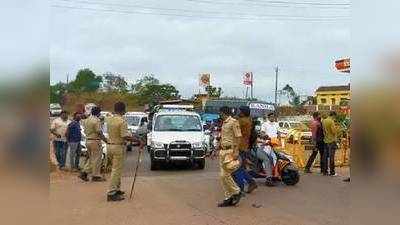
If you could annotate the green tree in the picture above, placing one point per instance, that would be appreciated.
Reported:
(57, 92)
(113, 82)
(85, 81)
(214, 92)
(149, 90)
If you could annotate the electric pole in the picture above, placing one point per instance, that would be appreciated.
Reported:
(276, 86)
(252, 81)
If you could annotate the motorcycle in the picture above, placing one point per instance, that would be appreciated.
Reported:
(286, 170)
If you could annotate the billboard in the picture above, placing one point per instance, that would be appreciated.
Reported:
(204, 79)
(248, 78)
(343, 65)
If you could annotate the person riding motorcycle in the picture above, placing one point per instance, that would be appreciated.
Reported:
(265, 153)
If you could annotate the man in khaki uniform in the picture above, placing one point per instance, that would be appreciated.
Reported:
(118, 135)
(228, 157)
(94, 135)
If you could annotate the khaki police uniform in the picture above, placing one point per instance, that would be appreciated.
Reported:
(230, 138)
(117, 130)
(92, 126)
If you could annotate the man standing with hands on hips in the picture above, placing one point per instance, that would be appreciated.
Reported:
(118, 135)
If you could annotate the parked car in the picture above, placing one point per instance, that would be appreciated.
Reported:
(137, 124)
(177, 136)
(287, 127)
(55, 109)
(88, 108)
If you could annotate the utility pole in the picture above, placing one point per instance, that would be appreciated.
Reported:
(252, 81)
(276, 85)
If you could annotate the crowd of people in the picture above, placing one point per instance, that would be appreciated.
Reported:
(67, 145)
(237, 137)
(236, 140)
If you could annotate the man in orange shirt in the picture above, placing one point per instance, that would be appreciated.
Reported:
(241, 175)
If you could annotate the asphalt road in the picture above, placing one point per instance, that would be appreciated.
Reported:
(183, 196)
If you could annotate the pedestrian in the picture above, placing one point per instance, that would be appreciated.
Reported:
(116, 148)
(74, 136)
(228, 157)
(317, 134)
(330, 141)
(94, 136)
(270, 126)
(245, 124)
(58, 128)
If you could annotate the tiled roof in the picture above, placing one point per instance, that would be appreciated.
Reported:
(334, 88)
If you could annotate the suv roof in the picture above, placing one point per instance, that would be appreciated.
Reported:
(135, 114)
(177, 112)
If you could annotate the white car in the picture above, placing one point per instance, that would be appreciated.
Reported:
(286, 126)
(137, 122)
(177, 136)
(88, 108)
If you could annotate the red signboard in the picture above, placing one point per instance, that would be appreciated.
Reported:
(343, 65)
(248, 78)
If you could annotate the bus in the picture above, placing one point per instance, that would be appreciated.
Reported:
(257, 108)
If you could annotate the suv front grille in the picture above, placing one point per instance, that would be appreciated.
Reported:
(179, 146)
(180, 153)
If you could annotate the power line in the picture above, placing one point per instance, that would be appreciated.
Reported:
(196, 11)
(309, 19)
(301, 3)
(276, 4)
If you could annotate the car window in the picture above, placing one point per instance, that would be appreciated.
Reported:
(132, 120)
(177, 123)
(286, 125)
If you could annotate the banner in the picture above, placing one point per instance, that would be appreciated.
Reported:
(248, 78)
(204, 79)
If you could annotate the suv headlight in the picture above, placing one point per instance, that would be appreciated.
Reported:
(155, 144)
(197, 145)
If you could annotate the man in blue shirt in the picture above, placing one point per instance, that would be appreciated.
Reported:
(74, 137)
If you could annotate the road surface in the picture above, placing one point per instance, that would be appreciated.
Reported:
(182, 196)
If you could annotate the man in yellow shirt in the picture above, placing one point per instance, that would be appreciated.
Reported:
(330, 140)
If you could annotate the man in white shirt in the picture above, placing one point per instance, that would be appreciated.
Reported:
(58, 128)
(270, 126)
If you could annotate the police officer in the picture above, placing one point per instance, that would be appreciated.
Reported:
(118, 135)
(94, 136)
(228, 157)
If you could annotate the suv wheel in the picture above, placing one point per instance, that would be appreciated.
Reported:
(154, 165)
(201, 164)
(129, 148)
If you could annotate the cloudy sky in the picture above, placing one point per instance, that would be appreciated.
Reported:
(178, 39)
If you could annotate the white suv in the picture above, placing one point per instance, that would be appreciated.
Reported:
(177, 136)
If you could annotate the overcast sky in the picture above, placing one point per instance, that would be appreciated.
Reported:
(221, 37)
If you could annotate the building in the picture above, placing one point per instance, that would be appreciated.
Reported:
(333, 95)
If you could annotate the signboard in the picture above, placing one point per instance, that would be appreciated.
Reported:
(343, 65)
(205, 79)
(248, 78)
(261, 106)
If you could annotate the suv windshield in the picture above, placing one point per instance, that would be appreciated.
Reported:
(133, 120)
(177, 123)
(300, 126)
